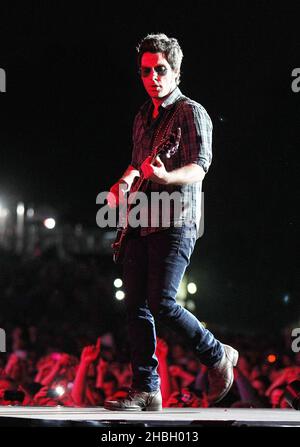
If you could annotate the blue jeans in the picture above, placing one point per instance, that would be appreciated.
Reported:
(153, 269)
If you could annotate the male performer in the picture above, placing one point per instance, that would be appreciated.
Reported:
(155, 256)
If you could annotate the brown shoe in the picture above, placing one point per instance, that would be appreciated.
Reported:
(220, 375)
(136, 401)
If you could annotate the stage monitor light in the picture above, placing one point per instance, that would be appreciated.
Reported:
(191, 288)
(49, 223)
(3, 212)
(118, 282)
(286, 299)
(20, 209)
(272, 358)
(120, 295)
(30, 212)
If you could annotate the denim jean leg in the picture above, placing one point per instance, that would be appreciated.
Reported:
(141, 326)
(169, 254)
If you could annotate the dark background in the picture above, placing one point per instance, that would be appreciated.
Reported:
(66, 118)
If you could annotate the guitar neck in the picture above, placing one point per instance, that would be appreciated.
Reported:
(141, 180)
(165, 145)
(138, 184)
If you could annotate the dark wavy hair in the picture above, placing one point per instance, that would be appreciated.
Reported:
(160, 43)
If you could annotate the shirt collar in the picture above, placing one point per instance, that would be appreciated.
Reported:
(171, 99)
(147, 107)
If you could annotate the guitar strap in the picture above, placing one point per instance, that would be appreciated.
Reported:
(164, 129)
(167, 122)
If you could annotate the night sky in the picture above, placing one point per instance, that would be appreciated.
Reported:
(73, 91)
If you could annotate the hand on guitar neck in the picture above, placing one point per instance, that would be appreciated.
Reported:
(151, 169)
(155, 170)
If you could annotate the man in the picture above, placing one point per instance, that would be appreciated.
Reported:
(156, 256)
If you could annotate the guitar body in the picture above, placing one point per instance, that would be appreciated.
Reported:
(119, 245)
(169, 146)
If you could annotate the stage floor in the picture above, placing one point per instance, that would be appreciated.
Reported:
(168, 417)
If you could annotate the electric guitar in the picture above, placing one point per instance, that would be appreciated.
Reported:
(168, 146)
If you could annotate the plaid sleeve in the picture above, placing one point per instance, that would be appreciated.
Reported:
(196, 136)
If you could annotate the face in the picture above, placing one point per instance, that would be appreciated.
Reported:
(157, 75)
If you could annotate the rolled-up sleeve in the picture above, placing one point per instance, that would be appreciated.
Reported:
(196, 135)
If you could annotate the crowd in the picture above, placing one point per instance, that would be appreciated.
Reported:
(67, 346)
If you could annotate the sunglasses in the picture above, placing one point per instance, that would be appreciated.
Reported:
(161, 70)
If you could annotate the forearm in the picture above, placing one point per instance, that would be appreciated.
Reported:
(187, 378)
(38, 376)
(46, 381)
(8, 369)
(165, 378)
(101, 371)
(130, 174)
(80, 384)
(185, 175)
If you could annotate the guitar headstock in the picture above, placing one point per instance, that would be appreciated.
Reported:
(169, 146)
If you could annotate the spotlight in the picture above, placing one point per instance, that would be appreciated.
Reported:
(118, 283)
(120, 295)
(59, 390)
(292, 394)
(20, 209)
(49, 223)
(271, 358)
(191, 288)
(30, 212)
